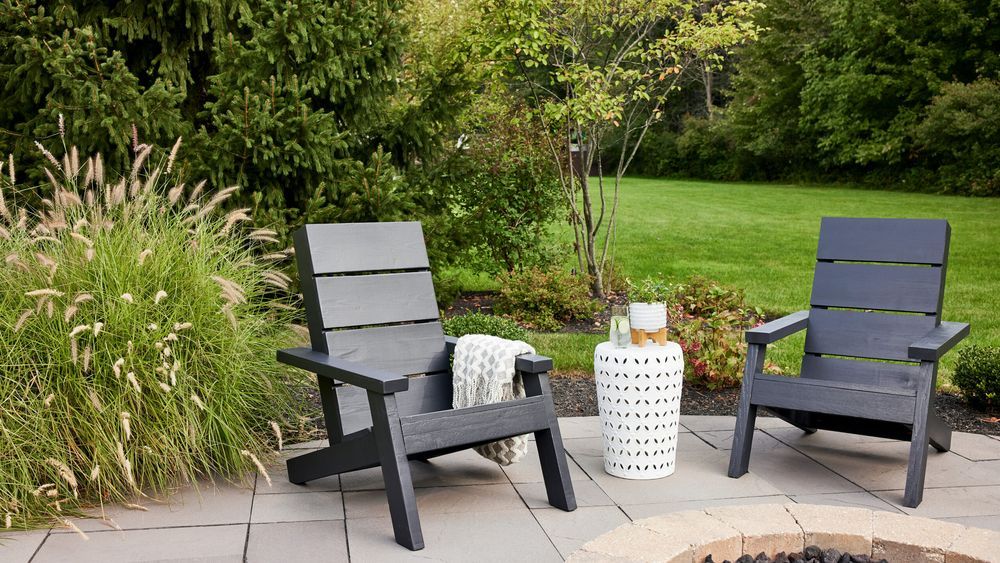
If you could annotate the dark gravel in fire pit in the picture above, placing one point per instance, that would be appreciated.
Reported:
(811, 554)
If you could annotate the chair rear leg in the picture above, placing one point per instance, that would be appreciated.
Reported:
(395, 471)
(801, 421)
(939, 433)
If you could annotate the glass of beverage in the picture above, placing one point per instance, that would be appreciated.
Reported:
(620, 333)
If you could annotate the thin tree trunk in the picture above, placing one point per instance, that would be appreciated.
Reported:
(709, 105)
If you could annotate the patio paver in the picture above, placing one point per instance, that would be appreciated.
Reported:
(473, 509)
(794, 473)
(297, 541)
(20, 546)
(569, 531)
(501, 536)
(207, 505)
(297, 507)
(975, 447)
(950, 502)
(588, 493)
(862, 499)
(438, 500)
(206, 543)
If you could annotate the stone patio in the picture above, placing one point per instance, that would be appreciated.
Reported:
(473, 509)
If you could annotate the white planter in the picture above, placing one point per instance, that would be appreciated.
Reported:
(647, 316)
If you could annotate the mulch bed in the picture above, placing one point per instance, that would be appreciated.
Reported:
(576, 395)
(482, 302)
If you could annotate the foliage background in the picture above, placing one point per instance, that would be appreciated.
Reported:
(891, 94)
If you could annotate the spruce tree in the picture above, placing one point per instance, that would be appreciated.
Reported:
(281, 97)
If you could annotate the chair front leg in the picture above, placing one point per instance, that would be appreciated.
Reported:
(739, 458)
(555, 468)
(916, 470)
(395, 471)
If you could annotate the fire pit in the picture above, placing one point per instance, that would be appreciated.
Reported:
(729, 533)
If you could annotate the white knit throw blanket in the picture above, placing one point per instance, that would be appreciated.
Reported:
(484, 373)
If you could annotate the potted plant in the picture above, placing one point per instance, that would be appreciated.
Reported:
(647, 310)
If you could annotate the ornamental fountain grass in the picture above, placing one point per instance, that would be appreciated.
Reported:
(139, 325)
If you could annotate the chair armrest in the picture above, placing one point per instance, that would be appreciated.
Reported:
(939, 340)
(533, 363)
(525, 363)
(354, 373)
(778, 329)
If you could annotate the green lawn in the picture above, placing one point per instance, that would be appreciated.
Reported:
(762, 238)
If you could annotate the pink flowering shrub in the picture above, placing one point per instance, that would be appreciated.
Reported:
(708, 321)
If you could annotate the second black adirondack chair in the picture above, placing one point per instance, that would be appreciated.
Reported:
(373, 321)
(877, 295)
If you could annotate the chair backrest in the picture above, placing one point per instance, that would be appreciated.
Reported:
(369, 297)
(878, 287)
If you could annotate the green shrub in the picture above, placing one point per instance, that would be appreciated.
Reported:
(545, 300)
(961, 130)
(709, 321)
(292, 98)
(138, 330)
(978, 375)
(505, 186)
(479, 323)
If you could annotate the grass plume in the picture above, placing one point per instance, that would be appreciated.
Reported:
(159, 365)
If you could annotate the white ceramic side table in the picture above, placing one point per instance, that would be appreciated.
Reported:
(639, 399)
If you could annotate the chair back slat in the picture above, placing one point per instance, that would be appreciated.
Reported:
(403, 349)
(858, 334)
(366, 247)
(905, 241)
(884, 374)
(369, 295)
(376, 299)
(912, 289)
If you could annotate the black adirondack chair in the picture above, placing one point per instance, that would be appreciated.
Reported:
(373, 321)
(877, 294)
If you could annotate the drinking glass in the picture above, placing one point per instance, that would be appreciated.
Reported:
(620, 333)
